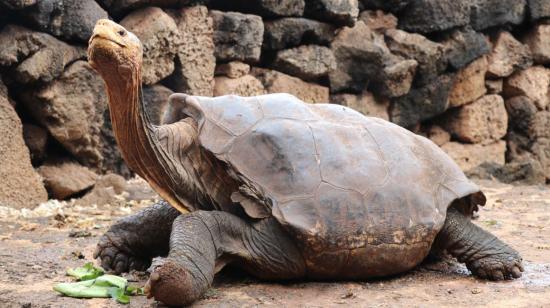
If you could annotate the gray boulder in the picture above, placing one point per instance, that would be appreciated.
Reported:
(462, 46)
(291, 32)
(427, 16)
(35, 56)
(237, 36)
(386, 5)
(67, 19)
(268, 8)
(360, 55)
(491, 13)
(428, 54)
(118, 7)
(73, 109)
(538, 9)
(342, 12)
(17, 4)
(308, 62)
(422, 103)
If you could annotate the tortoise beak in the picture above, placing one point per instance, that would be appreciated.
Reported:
(106, 30)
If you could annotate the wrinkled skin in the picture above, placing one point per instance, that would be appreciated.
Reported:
(202, 242)
(185, 250)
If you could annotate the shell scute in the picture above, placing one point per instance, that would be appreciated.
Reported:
(279, 155)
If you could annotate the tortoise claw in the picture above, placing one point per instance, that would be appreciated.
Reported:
(116, 256)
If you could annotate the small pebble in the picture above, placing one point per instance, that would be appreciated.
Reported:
(80, 233)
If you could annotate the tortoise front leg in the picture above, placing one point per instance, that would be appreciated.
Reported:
(484, 254)
(133, 241)
(203, 242)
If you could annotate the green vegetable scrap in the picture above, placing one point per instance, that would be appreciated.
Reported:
(87, 272)
(94, 284)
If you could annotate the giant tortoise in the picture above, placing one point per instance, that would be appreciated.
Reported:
(280, 188)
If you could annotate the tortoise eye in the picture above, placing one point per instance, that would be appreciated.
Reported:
(122, 32)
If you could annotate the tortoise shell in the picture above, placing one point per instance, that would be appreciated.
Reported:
(337, 180)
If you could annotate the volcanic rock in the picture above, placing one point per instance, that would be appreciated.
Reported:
(237, 36)
(161, 40)
(291, 32)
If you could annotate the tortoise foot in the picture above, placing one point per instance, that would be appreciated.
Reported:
(502, 266)
(170, 283)
(116, 253)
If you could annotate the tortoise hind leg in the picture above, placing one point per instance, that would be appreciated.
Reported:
(484, 254)
(134, 240)
(202, 242)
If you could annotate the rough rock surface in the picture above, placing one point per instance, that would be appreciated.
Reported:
(521, 148)
(462, 46)
(491, 13)
(277, 82)
(160, 38)
(246, 85)
(37, 56)
(105, 190)
(17, 4)
(494, 86)
(233, 69)
(469, 84)
(195, 60)
(156, 100)
(21, 185)
(68, 19)
(469, 156)
(267, 8)
(508, 55)
(532, 82)
(36, 139)
(365, 103)
(360, 55)
(521, 111)
(422, 103)
(65, 179)
(438, 135)
(541, 151)
(117, 7)
(482, 121)
(395, 78)
(426, 16)
(539, 9)
(538, 41)
(428, 54)
(528, 125)
(378, 20)
(308, 62)
(291, 32)
(527, 171)
(386, 5)
(72, 109)
(237, 36)
(343, 12)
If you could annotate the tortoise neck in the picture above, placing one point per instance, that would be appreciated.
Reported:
(133, 130)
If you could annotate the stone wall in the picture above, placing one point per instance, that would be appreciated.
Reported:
(472, 75)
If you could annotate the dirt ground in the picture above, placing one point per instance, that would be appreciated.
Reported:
(36, 248)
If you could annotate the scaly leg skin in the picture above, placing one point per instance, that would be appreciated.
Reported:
(133, 241)
(485, 255)
(203, 242)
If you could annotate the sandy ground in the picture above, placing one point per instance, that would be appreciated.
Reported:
(37, 247)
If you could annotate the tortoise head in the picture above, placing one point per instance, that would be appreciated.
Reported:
(114, 52)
